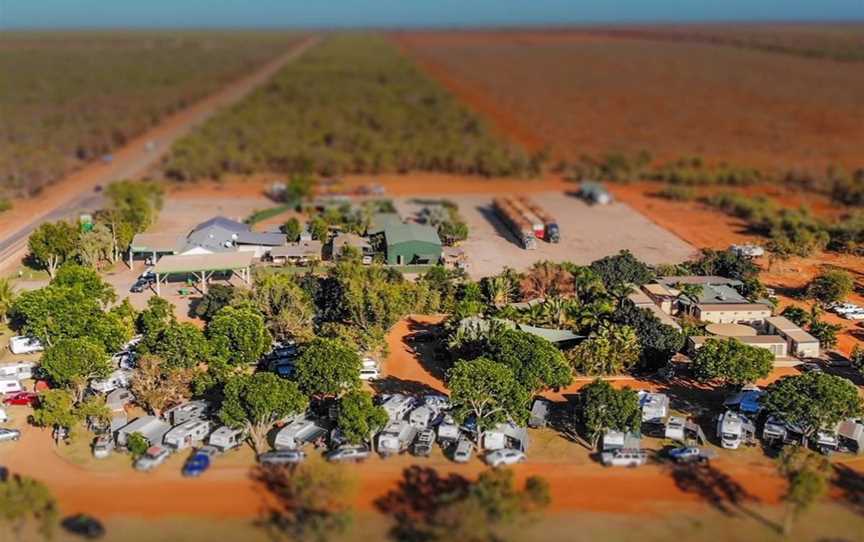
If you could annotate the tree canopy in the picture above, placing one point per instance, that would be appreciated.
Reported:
(658, 342)
(87, 280)
(217, 297)
(621, 270)
(831, 286)
(158, 385)
(536, 363)
(488, 391)
(328, 367)
(255, 402)
(613, 349)
(603, 408)
(52, 244)
(24, 500)
(359, 418)
(181, 346)
(813, 401)
(72, 362)
(238, 336)
(732, 362)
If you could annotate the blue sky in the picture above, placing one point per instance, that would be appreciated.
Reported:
(322, 13)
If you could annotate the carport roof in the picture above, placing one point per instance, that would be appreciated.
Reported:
(157, 242)
(396, 233)
(223, 261)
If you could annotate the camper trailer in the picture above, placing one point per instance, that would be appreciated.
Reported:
(396, 437)
(448, 431)
(684, 431)
(655, 407)
(826, 441)
(24, 345)
(422, 417)
(10, 385)
(620, 440)
(539, 413)
(193, 410)
(119, 398)
(150, 427)
(297, 433)
(21, 370)
(120, 378)
(748, 401)
(226, 438)
(506, 435)
(850, 433)
(397, 406)
(184, 435)
(734, 429)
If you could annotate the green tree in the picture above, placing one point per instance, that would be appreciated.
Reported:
(121, 232)
(623, 269)
(613, 349)
(96, 245)
(256, 402)
(157, 385)
(813, 401)
(731, 362)
(292, 230)
(7, 298)
(182, 346)
(359, 418)
(137, 445)
(831, 286)
(135, 202)
(319, 229)
(327, 367)
(288, 309)
(487, 390)
(857, 359)
(217, 297)
(238, 336)
(72, 362)
(53, 243)
(796, 315)
(85, 279)
(536, 363)
(56, 408)
(658, 341)
(807, 479)
(309, 502)
(603, 408)
(24, 500)
(158, 315)
(825, 332)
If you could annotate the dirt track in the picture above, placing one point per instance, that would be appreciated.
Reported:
(75, 192)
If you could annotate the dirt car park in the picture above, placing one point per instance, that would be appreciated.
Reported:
(588, 233)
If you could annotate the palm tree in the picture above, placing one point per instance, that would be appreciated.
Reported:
(498, 290)
(7, 298)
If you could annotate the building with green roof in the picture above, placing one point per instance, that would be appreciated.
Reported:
(412, 244)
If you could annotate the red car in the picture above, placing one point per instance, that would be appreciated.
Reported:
(22, 398)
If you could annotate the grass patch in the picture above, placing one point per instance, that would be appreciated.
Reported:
(266, 214)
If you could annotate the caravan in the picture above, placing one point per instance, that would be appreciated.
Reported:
(226, 438)
(10, 385)
(21, 370)
(150, 427)
(193, 410)
(396, 437)
(734, 429)
(297, 433)
(397, 406)
(121, 378)
(184, 435)
(655, 407)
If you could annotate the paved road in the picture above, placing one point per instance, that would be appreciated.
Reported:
(134, 160)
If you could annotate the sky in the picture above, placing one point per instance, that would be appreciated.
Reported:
(406, 13)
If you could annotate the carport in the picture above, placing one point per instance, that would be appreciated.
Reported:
(202, 267)
(154, 245)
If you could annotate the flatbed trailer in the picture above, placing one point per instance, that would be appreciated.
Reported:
(551, 233)
(515, 222)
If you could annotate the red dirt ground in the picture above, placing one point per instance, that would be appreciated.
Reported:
(584, 93)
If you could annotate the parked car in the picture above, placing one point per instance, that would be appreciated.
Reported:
(423, 443)
(196, 465)
(623, 457)
(505, 456)
(140, 285)
(152, 458)
(9, 434)
(370, 374)
(282, 457)
(810, 367)
(348, 453)
(102, 446)
(84, 526)
(857, 315)
(4, 416)
(689, 454)
(24, 345)
(22, 398)
(462, 451)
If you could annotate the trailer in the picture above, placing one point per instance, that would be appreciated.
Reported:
(121, 378)
(226, 438)
(297, 433)
(515, 222)
(193, 410)
(150, 427)
(655, 407)
(422, 417)
(20, 370)
(551, 233)
(734, 429)
(448, 431)
(396, 437)
(537, 224)
(397, 406)
(184, 435)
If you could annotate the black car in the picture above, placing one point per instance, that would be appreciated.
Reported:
(84, 526)
(140, 285)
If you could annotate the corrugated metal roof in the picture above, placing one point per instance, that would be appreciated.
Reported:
(263, 239)
(224, 261)
(222, 222)
(732, 307)
(380, 221)
(788, 328)
(150, 242)
(404, 233)
(298, 250)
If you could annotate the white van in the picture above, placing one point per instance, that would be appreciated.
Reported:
(24, 345)
(10, 385)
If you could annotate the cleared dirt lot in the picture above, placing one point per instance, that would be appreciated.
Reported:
(587, 234)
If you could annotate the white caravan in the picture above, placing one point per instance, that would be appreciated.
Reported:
(186, 434)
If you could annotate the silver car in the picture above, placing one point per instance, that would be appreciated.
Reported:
(9, 434)
(282, 457)
(506, 456)
(155, 456)
(349, 453)
(462, 453)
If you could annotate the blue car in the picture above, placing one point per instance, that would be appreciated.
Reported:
(196, 464)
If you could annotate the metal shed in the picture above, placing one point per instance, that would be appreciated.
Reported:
(409, 244)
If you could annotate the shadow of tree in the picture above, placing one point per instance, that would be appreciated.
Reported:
(425, 351)
(416, 499)
(851, 484)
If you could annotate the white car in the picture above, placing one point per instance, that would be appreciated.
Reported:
(506, 456)
(24, 345)
(623, 457)
(370, 373)
(9, 434)
(462, 453)
(152, 458)
(843, 308)
(348, 453)
(857, 315)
